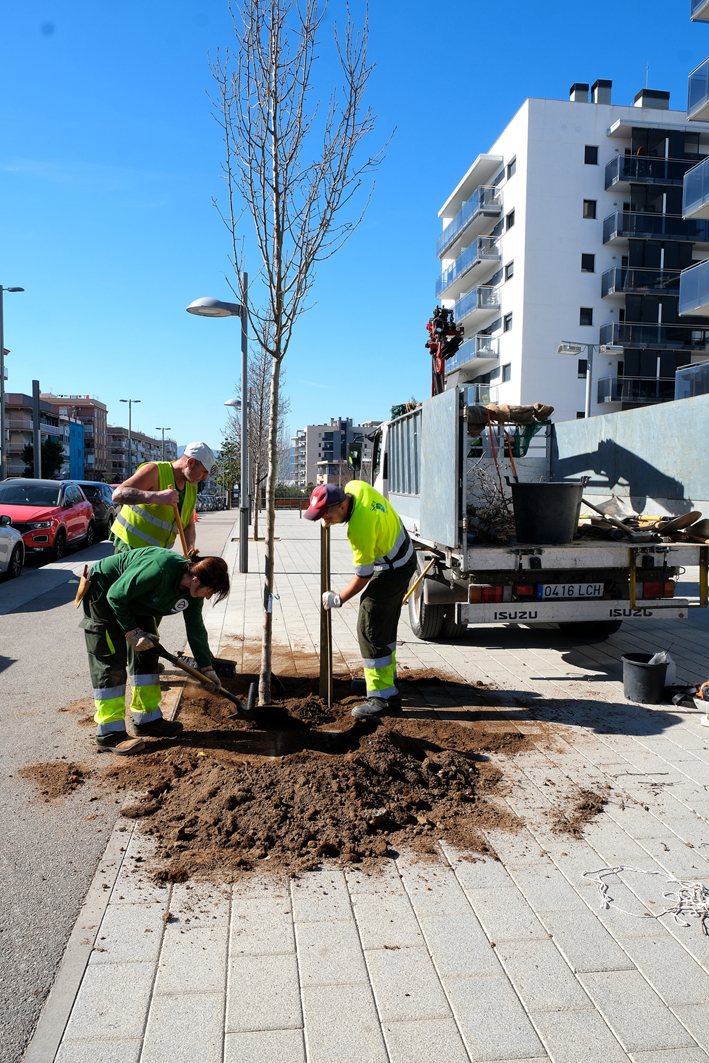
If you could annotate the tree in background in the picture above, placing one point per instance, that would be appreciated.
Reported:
(228, 461)
(294, 167)
(51, 459)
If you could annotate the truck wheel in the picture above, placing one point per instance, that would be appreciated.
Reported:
(426, 620)
(450, 629)
(591, 628)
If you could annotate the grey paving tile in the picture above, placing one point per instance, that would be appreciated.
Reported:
(193, 960)
(265, 1046)
(384, 879)
(200, 903)
(105, 1051)
(342, 1025)
(616, 918)
(459, 945)
(673, 973)
(321, 895)
(696, 1018)
(129, 933)
(432, 887)
(540, 976)
(491, 1019)
(545, 887)
(386, 920)
(634, 1012)
(427, 1039)
(585, 944)
(133, 884)
(330, 953)
(184, 1029)
(262, 925)
(406, 985)
(505, 915)
(673, 1055)
(112, 1002)
(578, 1037)
(263, 993)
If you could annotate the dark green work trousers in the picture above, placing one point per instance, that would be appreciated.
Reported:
(378, 620)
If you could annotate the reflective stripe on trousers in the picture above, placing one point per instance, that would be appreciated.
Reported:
(380, 677)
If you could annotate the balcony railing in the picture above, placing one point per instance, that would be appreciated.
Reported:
(485, 201)
(644, 281)
(696, 190)
(699, 11)
(656, 337)
(694, 289)
(644, 389)
(623, 223)
(484, 248)
(692, 380)
(481, 298)
(698, 93)
(646, 170)
(475, 348)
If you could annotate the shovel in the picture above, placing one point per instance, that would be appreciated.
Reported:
(678, 523)
(202, 678)
(633, 535)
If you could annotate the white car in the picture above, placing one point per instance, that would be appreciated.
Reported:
(12, 549)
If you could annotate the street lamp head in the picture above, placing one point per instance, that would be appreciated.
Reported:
(571, 348)
(129, 400)
(208, 307)
(14, 289)
(236, 403)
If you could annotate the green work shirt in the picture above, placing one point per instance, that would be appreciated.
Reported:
(147, 583)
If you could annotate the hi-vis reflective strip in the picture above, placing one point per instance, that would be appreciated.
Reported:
(377, 662)
(388, 558)
(144, 515)
(109, 693)
(132, 530)
(144, 680)
(390, 692)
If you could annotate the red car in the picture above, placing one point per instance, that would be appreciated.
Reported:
(49, 514)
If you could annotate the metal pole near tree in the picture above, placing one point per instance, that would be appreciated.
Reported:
(325, 619)
(244, 499)
(130, 434)
(3, 447)
(36, 436)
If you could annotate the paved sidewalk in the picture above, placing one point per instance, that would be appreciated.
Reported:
(453, 961)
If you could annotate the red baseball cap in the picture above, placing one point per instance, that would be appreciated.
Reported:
(322, 497)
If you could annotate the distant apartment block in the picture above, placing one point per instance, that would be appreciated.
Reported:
(319, 451)
(92, 413)
(65, 430)
(571, 228)
(144, 448)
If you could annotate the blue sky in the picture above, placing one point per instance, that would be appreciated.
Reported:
(109, 159)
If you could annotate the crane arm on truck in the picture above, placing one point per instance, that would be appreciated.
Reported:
(444, 339)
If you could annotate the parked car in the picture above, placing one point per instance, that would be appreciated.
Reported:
(49, 514)
(100, 496)
(12, 549)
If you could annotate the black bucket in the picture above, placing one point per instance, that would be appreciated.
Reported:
(643, 682)
(547, 512)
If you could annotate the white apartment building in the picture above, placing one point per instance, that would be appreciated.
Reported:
(320, 450)
(571, 229)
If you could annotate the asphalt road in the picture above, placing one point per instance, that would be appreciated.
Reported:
(50, 850)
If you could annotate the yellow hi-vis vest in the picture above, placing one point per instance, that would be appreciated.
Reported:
(378, 538)
(154, 525)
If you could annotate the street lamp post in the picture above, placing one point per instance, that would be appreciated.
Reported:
(3, 457)
(163, 430)
(574, 347)
(208, 307)
(130, 435)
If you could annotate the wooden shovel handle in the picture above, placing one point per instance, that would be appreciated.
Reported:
(181, 530)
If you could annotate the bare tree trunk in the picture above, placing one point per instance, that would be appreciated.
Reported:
(269, 588)
(255, 495)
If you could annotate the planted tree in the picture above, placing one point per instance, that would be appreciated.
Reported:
(295, 170)
(51, 459)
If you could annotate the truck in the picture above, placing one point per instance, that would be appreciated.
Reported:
(434, 468)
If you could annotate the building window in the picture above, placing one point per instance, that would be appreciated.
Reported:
(506, 372)
(509, 270)
(507, 323)
(583, 368)
(510, 219)
(511, 167)
(580, 415)
(590, 155)
(588, 263)
(589, 208)
(586, 315)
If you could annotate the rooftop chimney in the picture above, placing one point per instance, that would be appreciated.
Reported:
(578, 93)
(652, 98)
(601, 91)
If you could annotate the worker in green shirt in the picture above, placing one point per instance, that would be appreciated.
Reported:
(384, 562)
(147, 516)
(126, 595)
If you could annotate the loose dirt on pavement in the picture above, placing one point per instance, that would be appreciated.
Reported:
(57, 778)
(585, 806)
(306, 782)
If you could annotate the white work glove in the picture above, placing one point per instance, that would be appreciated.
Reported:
(141, 641)
(331, 600)
(211, 674)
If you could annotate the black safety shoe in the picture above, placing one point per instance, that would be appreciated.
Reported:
(160, 728)
(119, 742)
(374, 708)
(358, 686)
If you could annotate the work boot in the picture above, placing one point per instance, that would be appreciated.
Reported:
(358, 686)
(160, 728)
(119, 742)
(375, 708)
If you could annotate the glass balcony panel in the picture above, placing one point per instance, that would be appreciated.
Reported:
(698, 92)
(644, 169)
(645, 389)
(481, 298)
(625, 224)
(485, 247)
(654, 337)
(700, 11)
(485, 201)
(694, 290)
(692, 380)
(477, 347)
(644, 281)
(695, 197)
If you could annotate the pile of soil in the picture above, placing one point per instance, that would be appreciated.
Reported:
(57, 778)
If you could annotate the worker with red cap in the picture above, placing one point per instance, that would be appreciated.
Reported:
(384, 562)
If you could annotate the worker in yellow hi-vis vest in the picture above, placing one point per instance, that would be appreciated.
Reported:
(384, 561)
(147, 516)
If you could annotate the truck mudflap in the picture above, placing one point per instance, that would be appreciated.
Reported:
(569, 612)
